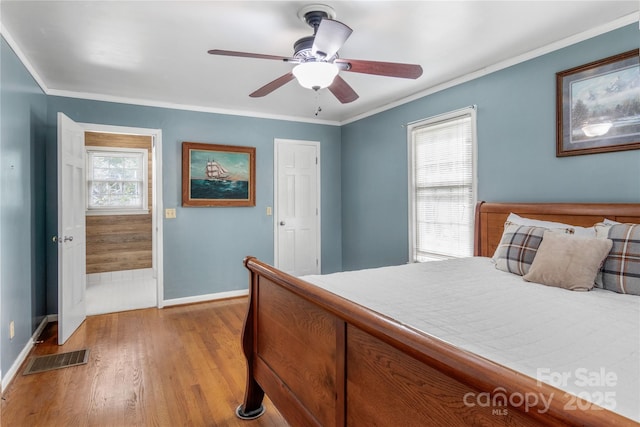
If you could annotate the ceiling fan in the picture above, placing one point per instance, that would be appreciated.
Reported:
(318, 63)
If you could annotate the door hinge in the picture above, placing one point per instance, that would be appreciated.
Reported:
(316, 160)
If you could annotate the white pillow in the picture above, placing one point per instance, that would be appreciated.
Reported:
(608, 221)
(577, 230)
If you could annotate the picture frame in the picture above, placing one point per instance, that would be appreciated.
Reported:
(598, 106)
(218, 175)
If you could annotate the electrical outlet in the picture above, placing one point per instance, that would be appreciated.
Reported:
(169, 213)
(12, 329)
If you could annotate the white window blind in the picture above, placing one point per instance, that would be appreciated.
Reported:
(116, 180)
(443, 188)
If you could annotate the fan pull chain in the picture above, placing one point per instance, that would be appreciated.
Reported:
(318, 108)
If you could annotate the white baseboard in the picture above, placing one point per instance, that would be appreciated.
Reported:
(206, 297)
(6, 379)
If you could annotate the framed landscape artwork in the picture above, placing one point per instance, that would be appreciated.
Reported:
(218, 175)
(598, 106)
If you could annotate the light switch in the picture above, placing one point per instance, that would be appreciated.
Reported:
(169, 213)
(269, 211)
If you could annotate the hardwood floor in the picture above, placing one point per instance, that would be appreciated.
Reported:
(177, 366)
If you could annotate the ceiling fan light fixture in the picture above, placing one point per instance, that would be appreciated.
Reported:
(315, 75)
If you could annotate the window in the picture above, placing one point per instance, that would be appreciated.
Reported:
(442, 186)
(116, 181)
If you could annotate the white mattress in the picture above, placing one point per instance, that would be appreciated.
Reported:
(592, 339)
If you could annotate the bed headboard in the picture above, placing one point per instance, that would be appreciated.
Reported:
(490, 217)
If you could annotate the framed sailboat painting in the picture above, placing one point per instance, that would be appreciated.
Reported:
(218, 175)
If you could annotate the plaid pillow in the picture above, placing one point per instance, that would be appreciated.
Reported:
(621, 269)
(518, 247)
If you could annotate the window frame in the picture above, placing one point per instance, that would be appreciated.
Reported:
(89, 150)
(470, 111)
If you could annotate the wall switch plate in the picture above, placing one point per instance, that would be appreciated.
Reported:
(169, 213)
(12, 329)
(269, 213)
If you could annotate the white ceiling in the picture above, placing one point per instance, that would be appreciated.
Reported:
(155, 52)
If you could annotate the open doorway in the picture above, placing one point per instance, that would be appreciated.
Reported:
(122, 243)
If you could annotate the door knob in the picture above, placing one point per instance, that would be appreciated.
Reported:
(282, 223)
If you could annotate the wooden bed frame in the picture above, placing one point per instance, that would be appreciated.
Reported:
(325, 361)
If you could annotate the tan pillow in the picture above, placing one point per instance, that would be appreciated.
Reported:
(568, 262)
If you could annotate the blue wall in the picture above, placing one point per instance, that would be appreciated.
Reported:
(22, 182)
(204, 247)
(516, 152)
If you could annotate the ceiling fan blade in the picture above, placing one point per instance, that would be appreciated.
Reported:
(341, 90)
(271, 86)
(247, 55)
(330, 37)
(390, 69)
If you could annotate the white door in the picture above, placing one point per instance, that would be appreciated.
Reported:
(71, 228)
(297, 207)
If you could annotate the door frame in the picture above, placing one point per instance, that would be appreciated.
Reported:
(156, 205)
(281, 141)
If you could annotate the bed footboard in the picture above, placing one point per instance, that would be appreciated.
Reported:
(292, 349)
(324, 361)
